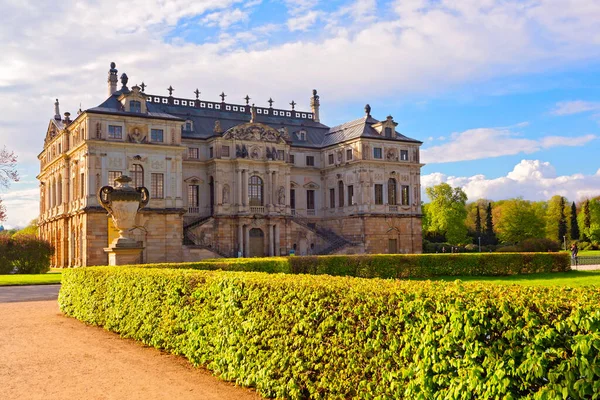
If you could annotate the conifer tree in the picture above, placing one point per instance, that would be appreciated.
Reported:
(490, 235)
(562, 222)
(478, 222)
(574, 223)
(587, 219)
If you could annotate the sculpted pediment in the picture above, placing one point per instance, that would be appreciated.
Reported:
(194, 180)
(51, 132)
(257, 132)
(311, 185)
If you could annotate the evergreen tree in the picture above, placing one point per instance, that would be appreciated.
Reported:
(478, 223)
(587, 218)
(562, 222)
(574, 223)
(490, 235)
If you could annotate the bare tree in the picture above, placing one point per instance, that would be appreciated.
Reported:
(8, 168)
(8, 174)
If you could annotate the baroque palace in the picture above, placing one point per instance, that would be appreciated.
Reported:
(227, 179)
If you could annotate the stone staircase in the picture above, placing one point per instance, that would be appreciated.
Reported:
(335, 241)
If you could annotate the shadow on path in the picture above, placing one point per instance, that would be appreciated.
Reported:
(12, 294)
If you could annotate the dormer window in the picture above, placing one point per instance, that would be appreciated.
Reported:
(302, 135)
(188, 127)
(135, 106)
(388, 132)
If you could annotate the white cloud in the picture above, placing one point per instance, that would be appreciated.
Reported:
(21, 207)
(475, 144)
(224, 19)
(575, 107)
(302, 23)
(531, 179)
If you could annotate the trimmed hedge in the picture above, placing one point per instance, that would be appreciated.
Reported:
(301, 337)
(392, 266)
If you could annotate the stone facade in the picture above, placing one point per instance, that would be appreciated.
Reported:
(228, 179)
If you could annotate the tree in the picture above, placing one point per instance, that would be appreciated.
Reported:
(520, 219)
(490, 235)
(562, 222)
(8, 168)
(29, 230)
(446, 213)
(478, 222)
(574, 223)
(8, 173)
(587, 218)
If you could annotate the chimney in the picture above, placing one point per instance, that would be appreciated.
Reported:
(112, 79)
(67, 119)
(314, 105)
(57, 111)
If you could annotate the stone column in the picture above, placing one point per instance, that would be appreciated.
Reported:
(287, 191)
(268, 190)
(241, 238)
(271, 240)
(247, 241)
(274, 188)
(239, 187)
(245, 178)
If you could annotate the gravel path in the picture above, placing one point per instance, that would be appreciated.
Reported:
(45, 355)
(9, 294)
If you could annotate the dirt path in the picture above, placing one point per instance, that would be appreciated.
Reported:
(44, 355)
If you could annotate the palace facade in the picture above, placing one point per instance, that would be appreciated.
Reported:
(227, 179)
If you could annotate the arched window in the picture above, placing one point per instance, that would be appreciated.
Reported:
(255, 191)
(59, 190)
(392, 190)
(137, 176)
(340, 194)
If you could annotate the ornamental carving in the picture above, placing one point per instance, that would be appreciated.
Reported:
(255, 132)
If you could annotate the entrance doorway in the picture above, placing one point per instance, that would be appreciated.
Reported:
(392, 246)
(257, 243)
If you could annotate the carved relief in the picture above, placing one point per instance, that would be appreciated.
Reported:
(136, 135)
(255, 153)
(254, 132)
(226, 194)
(115, 162)
(281, 195)
(217, 128)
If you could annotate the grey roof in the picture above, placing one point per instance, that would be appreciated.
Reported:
(203, 120)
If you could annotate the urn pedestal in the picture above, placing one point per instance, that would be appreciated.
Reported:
(123, 203)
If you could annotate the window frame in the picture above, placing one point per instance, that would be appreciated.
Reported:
(193, 153)
(349, 155)
(135, 106)
(256, 196)
(377, 150)
(378, 195)
(137, 174)
(392, 192)
(157, 185)
(162, 135)
(312, 161)
(332, 198)
(310, 199)
(405, 195)
(112, 135)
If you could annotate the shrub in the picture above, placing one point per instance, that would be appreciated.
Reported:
(301, 337)
(24, 254)
(391, 265)
(539, 245)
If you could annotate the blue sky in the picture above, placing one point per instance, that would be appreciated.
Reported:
(505, 94)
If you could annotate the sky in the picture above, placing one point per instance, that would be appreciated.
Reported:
(504, 94)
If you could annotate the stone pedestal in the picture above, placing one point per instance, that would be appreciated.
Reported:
(124, 255)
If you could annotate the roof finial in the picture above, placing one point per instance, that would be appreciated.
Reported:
(270, 101)
(314, 105)
(57, 111)
(143, 86)
(368, 110)
(170, 89)
(197, 93)
(293, 104)
(223, 95)
(247, 98)
(124, 80)
(79, 111)
(112, 79)
(252, 114)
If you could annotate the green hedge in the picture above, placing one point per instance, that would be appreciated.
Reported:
(301, 337)
(392, 266)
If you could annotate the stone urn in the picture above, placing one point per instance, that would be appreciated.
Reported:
(123, 203)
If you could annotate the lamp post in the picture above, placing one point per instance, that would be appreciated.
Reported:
(479, 238)
(565, 241)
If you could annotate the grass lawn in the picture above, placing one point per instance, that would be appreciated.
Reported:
(594, 253)
(571, 278)
(30, 279)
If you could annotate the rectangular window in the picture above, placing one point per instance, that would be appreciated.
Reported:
(193, 153)
(378, 194)
(310, 161)
(210, 152)
(280, 155)
(377, 153)
(405, 195)
(112, 175)
(115, 132)
(157, 186)
(292, 199)
(350, 195)
(330, 159)
(292, 160)
(82, 186)
(388, 132)
(392, 246)
(310, 199)
(224, 151)
(188, 126)
(348, 154)
(340, 194)
(157, 135)
(331, 198)
(404, 155)
(193, 191)
(135, 106)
